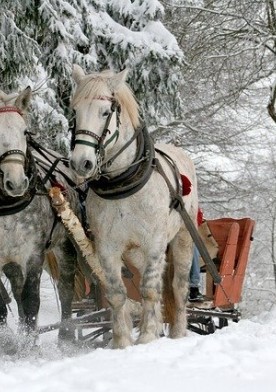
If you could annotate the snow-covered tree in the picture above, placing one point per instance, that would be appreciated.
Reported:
(17, 48)
(42, 39)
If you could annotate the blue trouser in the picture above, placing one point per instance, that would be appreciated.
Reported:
(195, 269)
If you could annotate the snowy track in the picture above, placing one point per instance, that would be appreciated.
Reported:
(241, 357)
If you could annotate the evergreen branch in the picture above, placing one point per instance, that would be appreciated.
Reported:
(9, 16)
(39, 85)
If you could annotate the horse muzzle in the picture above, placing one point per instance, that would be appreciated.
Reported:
(83, 168)
(16, 187)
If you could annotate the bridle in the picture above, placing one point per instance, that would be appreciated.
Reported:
(5, 157)
(11, 205)
(135, 175)
(101, 143)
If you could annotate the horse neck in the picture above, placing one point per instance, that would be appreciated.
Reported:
(126, 158)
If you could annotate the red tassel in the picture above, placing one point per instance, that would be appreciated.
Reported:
(199, 217)
(55, 183)
(186, 184)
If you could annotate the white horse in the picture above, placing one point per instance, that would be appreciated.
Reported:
(129, 203)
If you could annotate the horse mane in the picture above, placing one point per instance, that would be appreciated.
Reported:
(97, 84)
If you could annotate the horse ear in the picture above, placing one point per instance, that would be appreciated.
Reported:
(23, 99)
(2, 95)
(78, 73)
(117, 80)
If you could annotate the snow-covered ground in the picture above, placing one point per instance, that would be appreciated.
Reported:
(241, 357)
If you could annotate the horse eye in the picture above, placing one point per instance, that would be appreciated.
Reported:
(106, 113)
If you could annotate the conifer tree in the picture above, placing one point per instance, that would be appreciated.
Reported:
(41, 39)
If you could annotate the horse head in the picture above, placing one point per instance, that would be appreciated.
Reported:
(101, 102)
(13, 142)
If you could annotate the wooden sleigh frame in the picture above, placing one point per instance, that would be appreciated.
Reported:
(234, 238)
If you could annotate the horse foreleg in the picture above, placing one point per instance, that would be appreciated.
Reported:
(31, 294)
(182, 253)
(14, 273)
(121, 319)
(8, 341)
(151, 291)
(3, 311)
(67, 267)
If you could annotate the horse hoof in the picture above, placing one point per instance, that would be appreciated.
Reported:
(120, 343)
(146, 338)
(67, 347)
(67, 340)
(28, 343)
(8, 341)
(177, 333)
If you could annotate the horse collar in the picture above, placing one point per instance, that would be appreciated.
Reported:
(135, 177)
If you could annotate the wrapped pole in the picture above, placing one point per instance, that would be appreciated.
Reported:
(75, 229)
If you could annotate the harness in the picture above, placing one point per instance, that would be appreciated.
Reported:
(135, 177)
(11, 205)
(101, 142)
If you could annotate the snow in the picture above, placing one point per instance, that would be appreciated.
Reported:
(240, 357)
(152, 38)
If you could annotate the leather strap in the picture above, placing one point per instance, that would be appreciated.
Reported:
(179, 206)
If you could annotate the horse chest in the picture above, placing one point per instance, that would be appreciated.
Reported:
(122, 220)
(18, 240)
(20, 237)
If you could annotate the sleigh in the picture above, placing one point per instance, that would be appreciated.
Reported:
(234, 237)
(92, 316)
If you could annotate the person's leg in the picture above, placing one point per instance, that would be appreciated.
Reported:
(195, 269)
(195, 294)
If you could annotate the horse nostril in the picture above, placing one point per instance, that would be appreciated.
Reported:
(9, 186)
(26, 183)
(87, 165)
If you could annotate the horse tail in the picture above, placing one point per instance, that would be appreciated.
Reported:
(169, 308)
(52, 266)
(80, 285)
